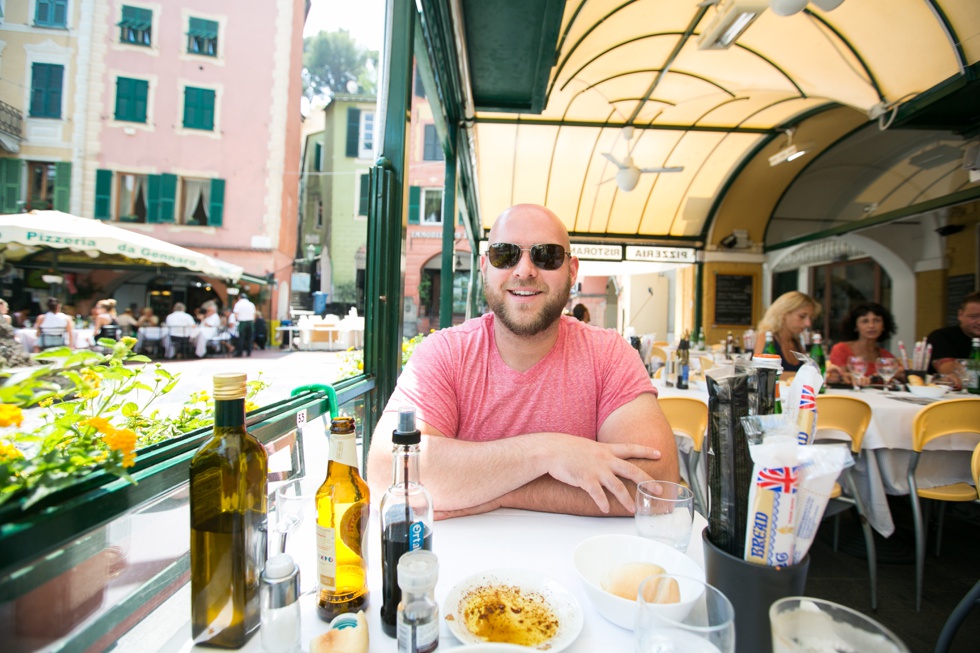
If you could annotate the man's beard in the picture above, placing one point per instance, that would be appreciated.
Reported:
(523, 322)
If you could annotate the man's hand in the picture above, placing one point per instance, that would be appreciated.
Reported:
(595, 466)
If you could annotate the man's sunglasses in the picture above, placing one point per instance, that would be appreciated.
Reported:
(507, 255)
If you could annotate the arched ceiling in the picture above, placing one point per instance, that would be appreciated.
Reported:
(546, 87)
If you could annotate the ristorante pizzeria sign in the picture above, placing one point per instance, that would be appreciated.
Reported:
(606, 252)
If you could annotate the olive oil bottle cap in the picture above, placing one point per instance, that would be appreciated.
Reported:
(229, 385)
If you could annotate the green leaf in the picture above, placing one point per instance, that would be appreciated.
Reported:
(129, 409)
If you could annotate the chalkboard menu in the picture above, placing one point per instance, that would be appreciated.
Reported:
(733, 299)
(957, 287)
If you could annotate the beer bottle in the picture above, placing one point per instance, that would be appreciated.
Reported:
(228, 506)
(343, 509)
(973, 384)
(406, 515)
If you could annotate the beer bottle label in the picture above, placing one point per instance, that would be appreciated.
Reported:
(326, 558)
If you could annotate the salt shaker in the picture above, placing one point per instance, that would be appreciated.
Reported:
(280, 605)
(418, 612)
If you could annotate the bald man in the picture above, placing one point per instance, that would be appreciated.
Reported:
(524, 407)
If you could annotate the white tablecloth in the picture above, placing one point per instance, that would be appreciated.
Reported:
(83, 338)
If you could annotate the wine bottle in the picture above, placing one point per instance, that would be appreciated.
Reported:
(770, 347)
(343, 510)
(684, 362)
(406, 515)
(228, 505)
(816, 353)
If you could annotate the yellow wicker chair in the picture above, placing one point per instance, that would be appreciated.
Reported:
(851, 416)
(938, 420)
(689, 417)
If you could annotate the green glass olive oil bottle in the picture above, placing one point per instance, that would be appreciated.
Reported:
(228, 502)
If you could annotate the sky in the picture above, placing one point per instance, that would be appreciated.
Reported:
(364, 19)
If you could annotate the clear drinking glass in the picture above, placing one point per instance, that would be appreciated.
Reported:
(665, 513)
(887, 368)
(800, 625)
(702, 622)
(858, 367)
(295, 526)
(961, 369)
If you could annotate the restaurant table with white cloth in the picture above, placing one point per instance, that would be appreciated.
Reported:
(199, 337)
(82, 338)
(514, 539)
(889, 439)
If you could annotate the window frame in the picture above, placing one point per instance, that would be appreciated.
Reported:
(431, 147)
(423, 220)
(365, 134)
(52, 6)
(48, 100)
(202, 40)
(213, 108)
(136, 84)
(140, 37)
(48, 187)
(119, 177)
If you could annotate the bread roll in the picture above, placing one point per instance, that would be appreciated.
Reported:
(914, 379)
(624, 580)
(343, 640)
(662, 590)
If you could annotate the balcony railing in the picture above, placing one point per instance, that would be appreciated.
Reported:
(11, 121)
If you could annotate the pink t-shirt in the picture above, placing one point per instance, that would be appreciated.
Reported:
(460, 385)
(840, 352)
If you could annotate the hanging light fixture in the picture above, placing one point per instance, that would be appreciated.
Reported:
(731, 19)
(791, 152)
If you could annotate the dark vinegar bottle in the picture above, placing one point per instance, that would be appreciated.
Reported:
(406, 515)
(228, 505)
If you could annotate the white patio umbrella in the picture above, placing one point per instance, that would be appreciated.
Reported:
(26, 233)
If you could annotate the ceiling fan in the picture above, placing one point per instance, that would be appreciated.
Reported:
(629, 173)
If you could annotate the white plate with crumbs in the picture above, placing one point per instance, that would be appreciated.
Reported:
(513, 606)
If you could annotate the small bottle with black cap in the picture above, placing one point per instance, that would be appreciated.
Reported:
(280, 605)
(406, 514)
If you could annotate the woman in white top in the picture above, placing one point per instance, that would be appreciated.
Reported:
(54, 319)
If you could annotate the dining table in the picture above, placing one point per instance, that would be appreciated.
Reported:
(81, 338)
(882, 468)
(540, 543)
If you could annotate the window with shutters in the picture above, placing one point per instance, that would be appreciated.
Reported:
(431, 206)
(432, 150)
(51, 13)
(199, 108)
(40, 186)
(202, 37)
(195, 198)
(46, 91)
(317, 157)
(136, 26)
(131, 197)
(363, 195)
(131, 99)
(365, 140)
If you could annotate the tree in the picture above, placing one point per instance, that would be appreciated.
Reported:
(333, 60)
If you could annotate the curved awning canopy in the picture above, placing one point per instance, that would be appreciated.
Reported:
(546, 88)
(87, 242)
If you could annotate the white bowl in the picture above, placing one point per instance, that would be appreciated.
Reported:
(928, 391)
(596, 556)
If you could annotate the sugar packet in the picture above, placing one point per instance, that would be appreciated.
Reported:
(801, 404)
(769, 536)
(820, 465)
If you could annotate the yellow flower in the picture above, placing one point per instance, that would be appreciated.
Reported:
(100, 424)
(250, 406)
(89, 394)
(201, 396)
(123, 440)
(91, 378)
(9, 452)
(10, 415)
(47, 401)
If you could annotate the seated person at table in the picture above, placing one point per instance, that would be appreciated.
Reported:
(180, 317)
(55, 319)
(787, 318)
(864, 327)
(524, 407)
(147, 318)
(104, 309)
(127, 320)
(953, 342)
(211, 317)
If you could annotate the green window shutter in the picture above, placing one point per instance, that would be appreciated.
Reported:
(198, 108)
(414, 199)
(62, 186)
(51, 13)
(10, 173)
(131, 97)
(217, 206)
(317, 156)
(353, 131)
(46, 82)
(168, 197)
(103, 194)
(365, 195)
(153, 198)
